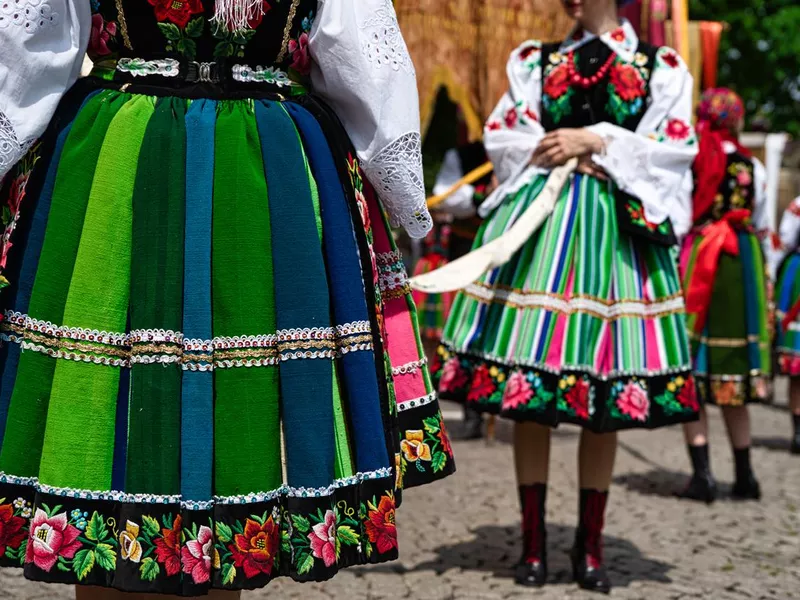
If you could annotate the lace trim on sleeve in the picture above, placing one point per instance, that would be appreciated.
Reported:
(396, 173)
(11, 149)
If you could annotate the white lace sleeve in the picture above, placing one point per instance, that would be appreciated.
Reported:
(363, 70)
(652, 162)
(42, 43)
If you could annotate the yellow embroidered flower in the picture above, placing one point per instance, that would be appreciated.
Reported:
(679, 380)
(493, 371)
(640, 59)
(398, 468)
(556, 57)
(501, 377)
(672, 387)
(562, 384)
(441, 351)
(129, 547)
(571, 380)
(414, 448)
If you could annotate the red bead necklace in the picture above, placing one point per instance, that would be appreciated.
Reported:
(586, 82)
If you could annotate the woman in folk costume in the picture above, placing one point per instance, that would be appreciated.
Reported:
(585, 324)
(787, 304)
(727, 289)
(210, 345)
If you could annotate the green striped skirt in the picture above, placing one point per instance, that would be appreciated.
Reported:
(732, 356)
(195, 391)
(583, 325)
(787, 294)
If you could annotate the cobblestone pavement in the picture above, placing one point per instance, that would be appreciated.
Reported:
(459, 538)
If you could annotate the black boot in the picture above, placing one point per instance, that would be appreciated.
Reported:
(746, 486)
(587, 553)
(532, 568)
(473, 425)
(795, 448)
(701, 486)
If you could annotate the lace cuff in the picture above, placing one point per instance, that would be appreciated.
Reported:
(396, 173)
(11, 149)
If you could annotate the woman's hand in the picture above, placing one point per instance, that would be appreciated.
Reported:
(558, 146)
(587, 166)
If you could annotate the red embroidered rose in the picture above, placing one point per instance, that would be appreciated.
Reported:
(677, 130)
(627, 82)
(168, 548)
(687, 396)
(557, 82)
(197, 555)
(11, 529)
(482, 385)
(633, 402)
(176, 11)
(518, 391)
(254, 550)
(511, 117)
(670, 59)
(301, 59)
(50, 538)
(380, 525)
(101, 34)
(527, 51)
(531, 114)
(578, 398)
(493, 126)
(444, 439)
(256, 21)
(618, 35)
(454, 378)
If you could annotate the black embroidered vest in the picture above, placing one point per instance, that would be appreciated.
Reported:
(737, 189)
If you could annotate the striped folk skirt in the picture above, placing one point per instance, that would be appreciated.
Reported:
(211, 374)
(583, 325)
(732, 357)
(787, 294)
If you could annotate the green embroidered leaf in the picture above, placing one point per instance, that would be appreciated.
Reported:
(338, 548)
(243, 36)
(305, 563)
(195, 27)
(23, 548)
(149, 569)
(106, 557)
(347, 535)
(96, 528)
(6, 215)
(228, 574)
(83, 563)
(150, 526)
(544, 395)
(224, 49)
(439, 461)
(368, 550)
(431, 424)
(170, 31)
(224, 533)
(301, 524)
(187, 47)
(62, 565)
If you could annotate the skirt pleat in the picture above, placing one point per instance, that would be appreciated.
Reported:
(787, 294)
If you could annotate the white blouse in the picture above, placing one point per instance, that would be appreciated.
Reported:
(362, 68)
(460, 204)
(652, 163)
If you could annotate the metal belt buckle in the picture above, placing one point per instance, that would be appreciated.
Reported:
(202, 72)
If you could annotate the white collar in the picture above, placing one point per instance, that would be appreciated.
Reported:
(622, 40)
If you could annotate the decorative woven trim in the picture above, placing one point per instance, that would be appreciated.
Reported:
(123, 25)
(158, 346)
(256, 497)
(600, 310)
(728, 342)
(287, 32)
(416, 402)
(139, 67)
(411, 367)
(260, 74)
(389, 258)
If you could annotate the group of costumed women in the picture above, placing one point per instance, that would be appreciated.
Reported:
(643, 297)
(212, 373)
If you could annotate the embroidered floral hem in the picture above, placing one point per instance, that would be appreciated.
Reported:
(162, 547)
(528, 393)
(733, 390)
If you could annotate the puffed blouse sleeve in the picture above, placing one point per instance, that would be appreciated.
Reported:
(362, 68)
(513, 130)
(654, 163)
(42, 45)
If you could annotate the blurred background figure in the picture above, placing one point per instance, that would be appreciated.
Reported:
(727, 290)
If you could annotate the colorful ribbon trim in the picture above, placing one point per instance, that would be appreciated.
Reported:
(718, 237)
